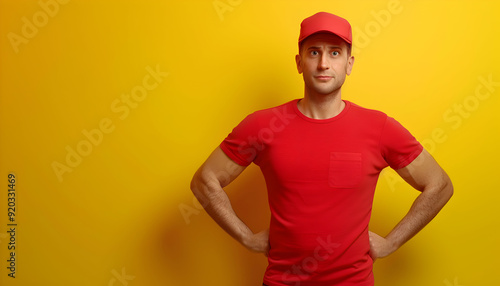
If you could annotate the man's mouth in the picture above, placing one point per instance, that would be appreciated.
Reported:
(323, 77)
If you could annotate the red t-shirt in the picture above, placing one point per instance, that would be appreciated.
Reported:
(321, 177)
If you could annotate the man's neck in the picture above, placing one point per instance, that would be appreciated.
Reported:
(321, 106)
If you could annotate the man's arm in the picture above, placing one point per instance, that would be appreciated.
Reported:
(425, 175)
(207, 183)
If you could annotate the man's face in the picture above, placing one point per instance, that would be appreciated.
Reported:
(324, 60)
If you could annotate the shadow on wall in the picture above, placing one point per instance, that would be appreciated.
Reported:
(200, 252)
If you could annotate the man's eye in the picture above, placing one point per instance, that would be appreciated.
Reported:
(335, 53)
(314, 53)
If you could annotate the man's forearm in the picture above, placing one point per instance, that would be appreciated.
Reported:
(424, 209)
(216, 203)
(207, 185)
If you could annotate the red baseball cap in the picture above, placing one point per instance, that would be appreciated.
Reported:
(325, 22)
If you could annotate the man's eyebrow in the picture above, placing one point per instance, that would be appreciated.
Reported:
(317, 48)
(313, 48)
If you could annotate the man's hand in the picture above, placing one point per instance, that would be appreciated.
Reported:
(380, 246)
(259, 242)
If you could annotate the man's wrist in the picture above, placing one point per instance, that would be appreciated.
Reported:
(392, 244)
(246, 239)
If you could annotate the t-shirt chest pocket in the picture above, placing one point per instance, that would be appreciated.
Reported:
(345, 169)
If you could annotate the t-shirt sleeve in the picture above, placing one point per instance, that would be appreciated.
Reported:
(242, 144)
(399, 147)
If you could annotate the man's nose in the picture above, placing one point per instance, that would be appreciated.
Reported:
(323, 62)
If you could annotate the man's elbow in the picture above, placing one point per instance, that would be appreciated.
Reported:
(441, 189)
(202, 184)
(196, 183)
(446, 190)
(450, 190)
(199, 189)
(192, 185)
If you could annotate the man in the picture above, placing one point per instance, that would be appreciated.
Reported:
(321, 157)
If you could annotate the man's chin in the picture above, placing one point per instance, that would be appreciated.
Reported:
(326, 91)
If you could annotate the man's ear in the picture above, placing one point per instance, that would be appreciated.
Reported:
(350, 63)
(298, 60)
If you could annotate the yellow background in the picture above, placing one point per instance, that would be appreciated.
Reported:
(126, 208)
